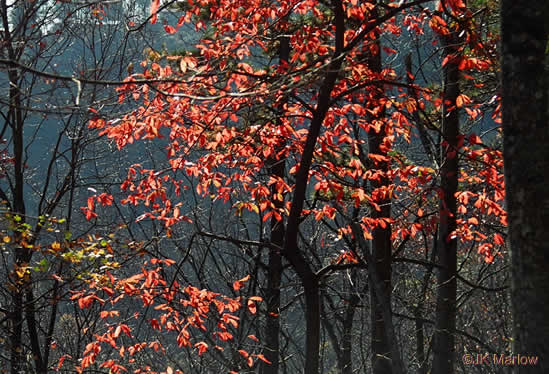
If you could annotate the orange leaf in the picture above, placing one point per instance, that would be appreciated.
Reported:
(154, 9)
(462, 100)
(237, 285)
(85, 302)
(498, 239)
(262, 358)
(61, 359)
(170, 29)
(252, 307)
(202, 347)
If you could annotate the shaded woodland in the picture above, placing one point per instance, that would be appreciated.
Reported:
(296, 186)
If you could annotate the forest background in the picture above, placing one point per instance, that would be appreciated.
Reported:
(274, 187)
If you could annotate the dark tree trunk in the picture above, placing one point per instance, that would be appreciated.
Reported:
(381, 252)
(272, 327)
(381, 242)
(274, 272)
(347, 338)
(419, 315)
(23, 302)
(524, 32)
(291, 250)
(397, 365)
(420, 341)
(445, 324)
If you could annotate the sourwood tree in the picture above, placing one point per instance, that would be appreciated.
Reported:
(310, 142)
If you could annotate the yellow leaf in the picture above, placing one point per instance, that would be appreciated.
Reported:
(255, 208)
(7, 239)
(21, 271)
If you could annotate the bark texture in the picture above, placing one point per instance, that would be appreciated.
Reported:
(445, 323)
(274, 271)
(524, 32)
(381, 251)
(381, 242)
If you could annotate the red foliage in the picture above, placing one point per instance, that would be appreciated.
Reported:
(205, 109)
(180, 311)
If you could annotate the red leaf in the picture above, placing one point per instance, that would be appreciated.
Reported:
(202, 347)
(445, 61)
(154, 9)
(170, 29)
(462, 100)
(91, 203)
(439, 26)
(104, 199)
(475, 139)
(252, 307)
(61, 360)
(237, 285)
(262, 358)
(498, 239)
(85, 302)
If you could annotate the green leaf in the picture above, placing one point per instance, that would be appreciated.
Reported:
(44, 265)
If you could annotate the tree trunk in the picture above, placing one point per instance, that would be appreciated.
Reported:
(291, 249)
(381, 242)
(381, 252)
(274, 273)
(445, 323)
(272, 327)
(524, 32)
(347, 338)
(374, 281)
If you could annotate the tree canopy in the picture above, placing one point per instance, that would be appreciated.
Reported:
(302, 186)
